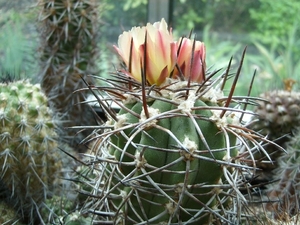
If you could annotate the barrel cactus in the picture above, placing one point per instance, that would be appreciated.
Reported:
(176, 151)
(30, 165)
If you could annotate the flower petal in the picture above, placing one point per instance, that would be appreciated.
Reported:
(161, 51)
(191, 60)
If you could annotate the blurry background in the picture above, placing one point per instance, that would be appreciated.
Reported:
(267, 27)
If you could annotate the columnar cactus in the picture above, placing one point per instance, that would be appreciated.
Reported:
(30, 165)
(172, 153)
(68, 33)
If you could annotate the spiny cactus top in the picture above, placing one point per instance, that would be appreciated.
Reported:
(28, 149)
(171, 155)
(68, 34)
(280, 114)
(278, 117)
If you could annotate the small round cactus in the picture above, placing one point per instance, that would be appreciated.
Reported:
(30, 165)
(175, 152)
(278, 117)
(279, 114)
(170, 158)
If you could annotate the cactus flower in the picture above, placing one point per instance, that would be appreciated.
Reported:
(191, 60)
(161, 52)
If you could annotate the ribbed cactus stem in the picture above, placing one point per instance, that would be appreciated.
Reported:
(176, 164)
(175, 153)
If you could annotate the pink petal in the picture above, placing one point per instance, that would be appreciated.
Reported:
(163, 75)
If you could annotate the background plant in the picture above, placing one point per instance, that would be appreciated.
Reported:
(18, 43)
(69, 47)
(222, 16)
(274, 27)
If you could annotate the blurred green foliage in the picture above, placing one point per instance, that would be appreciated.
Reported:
(274, 20)
(18, 44)
(134, 4)
(277, 39)
(278, 65)
(230, 16)
(120, 15)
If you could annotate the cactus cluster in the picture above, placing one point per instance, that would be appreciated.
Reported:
(177, 150)
(30, 165)
(31, 161)
(68, 34)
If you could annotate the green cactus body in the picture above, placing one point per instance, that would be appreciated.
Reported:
(167, 161)
(173, 154)
(28, 149)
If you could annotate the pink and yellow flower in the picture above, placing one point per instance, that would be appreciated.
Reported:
(191, 60)
(160, 52)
